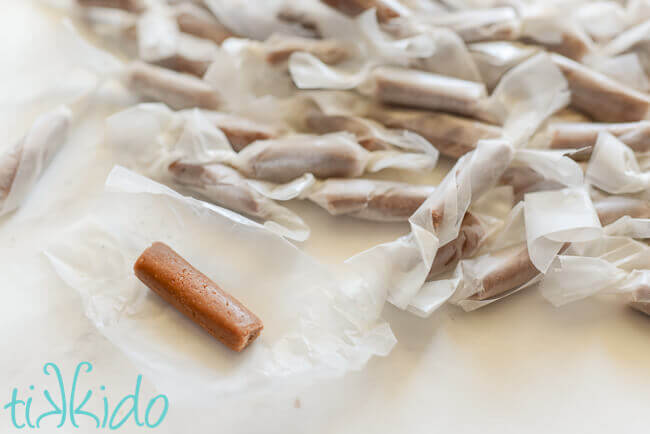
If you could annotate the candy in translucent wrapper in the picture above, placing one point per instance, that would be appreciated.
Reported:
(452, 135)
(376, 47)
(494, 59)
(495, 275)
(224, 186)
(425, 90)
(314, 327)
(279, 48)
(527, 95)
(405, 263)
(611, 208)
(613, 167)
(152, 82)
(179, 148)
(610, 265)
(576, 135)
(369, 199)
(601, 97)
(258, 21)
(370, 134)
(554, 218)
(161, 41)
(22, 164)
(242, 131)
(402, 266)
(177, 90)
(512, 96)
(333, 155)
(471, 235)
(476, 25)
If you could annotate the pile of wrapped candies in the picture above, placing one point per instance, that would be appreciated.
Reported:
(542, 106)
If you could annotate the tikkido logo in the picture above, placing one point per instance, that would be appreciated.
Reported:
(40, 408)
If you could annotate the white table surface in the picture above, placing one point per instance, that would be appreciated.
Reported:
(518, 365)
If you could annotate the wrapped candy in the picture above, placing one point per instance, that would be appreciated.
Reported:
(161, 41)
(427, 50)
(242, 131)
(369, 199)
(601, 97)
(512, 95)
(550, 27)
(576, 135)
(402, 266)
(180, 149)
(224, 186)
(452, 135)
(370, 134)
(177, 90)
(476, 25)
(419, 89)
(472, 234)
(279, 48)
(22, 164)
(612, 208)
(327, 156)
(610, 265)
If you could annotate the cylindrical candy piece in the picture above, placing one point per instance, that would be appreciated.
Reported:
(425, 90)
(453, 136)
(197, 297)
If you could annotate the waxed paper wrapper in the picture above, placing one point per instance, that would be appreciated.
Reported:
(149, 137)
(314, 325)
(609, 265)
(614, 168)
(401, 267)
(22, 164)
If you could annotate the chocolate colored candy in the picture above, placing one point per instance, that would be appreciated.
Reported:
(197, 297)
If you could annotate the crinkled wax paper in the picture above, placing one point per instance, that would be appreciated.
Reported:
(313, 325)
